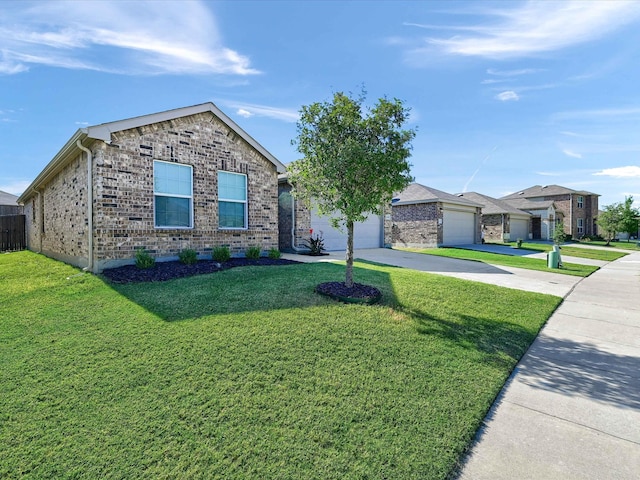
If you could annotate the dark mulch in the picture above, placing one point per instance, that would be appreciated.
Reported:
(163, 271)
(359, 293)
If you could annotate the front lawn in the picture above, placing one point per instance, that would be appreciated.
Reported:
(567, 249)
(509, 260)
(246, 373)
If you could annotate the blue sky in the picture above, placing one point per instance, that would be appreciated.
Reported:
(504, 95)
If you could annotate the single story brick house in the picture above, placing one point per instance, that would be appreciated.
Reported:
(578, 209)
(425, 217)
(500, 221)
(183, 178)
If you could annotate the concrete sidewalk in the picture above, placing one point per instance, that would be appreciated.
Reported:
(571, 408)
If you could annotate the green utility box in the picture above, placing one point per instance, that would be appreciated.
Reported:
(553, 259)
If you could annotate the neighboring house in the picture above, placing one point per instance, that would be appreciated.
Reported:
(500, 221)
(425, 217)
(9, 204)
(579, 209)
(367, 234)
(544, 216)
(183, 178)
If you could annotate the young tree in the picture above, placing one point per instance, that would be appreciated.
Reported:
(629, 220)
(610, 220)
(558, 234)
(353, 161)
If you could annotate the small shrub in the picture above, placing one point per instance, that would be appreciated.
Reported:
(221, 254)
(253, 252)
(558, 234)
(144, 259)
(519, 243)
(274, 253)
(188, 256)
(315, 245)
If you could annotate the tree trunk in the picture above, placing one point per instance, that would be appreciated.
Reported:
(348, 281)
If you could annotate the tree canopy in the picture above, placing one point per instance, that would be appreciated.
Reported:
(354, 159)
(619, 217)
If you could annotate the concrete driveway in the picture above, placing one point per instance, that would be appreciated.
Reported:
(521, 279)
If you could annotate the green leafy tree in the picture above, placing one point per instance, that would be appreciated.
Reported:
(558, 234)
(610, 221)
(353, 161)
(629, 220)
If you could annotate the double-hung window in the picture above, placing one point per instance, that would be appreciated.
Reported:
(173, 195)
(580, 226)
(232, 200)
(580, 201)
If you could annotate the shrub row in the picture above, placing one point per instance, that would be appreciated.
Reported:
(189, 256)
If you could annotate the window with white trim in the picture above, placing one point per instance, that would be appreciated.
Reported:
(580, 201)
(580, 225)
(172, 195)
(232, 200)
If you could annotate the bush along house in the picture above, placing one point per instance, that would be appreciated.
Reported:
(183, 178)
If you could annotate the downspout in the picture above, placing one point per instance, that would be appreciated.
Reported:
(89, 266)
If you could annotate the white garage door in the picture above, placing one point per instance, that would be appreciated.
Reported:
(519, 229)
(367, 234)
(458, 227)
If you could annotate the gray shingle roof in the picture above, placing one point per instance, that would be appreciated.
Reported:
(527, 205)
(490, 205)
(416, 193)
(544, 191)
(8, 199)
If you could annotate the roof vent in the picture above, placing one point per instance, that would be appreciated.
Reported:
(544, 186)
(520, 193)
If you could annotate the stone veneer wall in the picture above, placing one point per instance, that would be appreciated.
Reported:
(123, 195)
(416, 225)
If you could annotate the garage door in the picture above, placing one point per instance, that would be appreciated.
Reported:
(367, 234)
(519, 229)
(458, 228)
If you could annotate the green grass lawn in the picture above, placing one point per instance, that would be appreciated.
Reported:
(509, 260)
(246, 373)
(567, 249)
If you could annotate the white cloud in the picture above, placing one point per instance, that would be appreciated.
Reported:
(247, 110)
(570, 153)
(631, 171)
(244, 113)
(535, 27)
(507, 96)
(119, 37)
(513, 73)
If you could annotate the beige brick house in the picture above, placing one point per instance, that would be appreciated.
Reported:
(500, 221)
(578, 209)
(422, 216)
(183, 178)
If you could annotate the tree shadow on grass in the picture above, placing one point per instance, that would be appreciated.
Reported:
(245, 290)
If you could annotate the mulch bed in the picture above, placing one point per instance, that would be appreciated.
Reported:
(359, 293)
(163, 271)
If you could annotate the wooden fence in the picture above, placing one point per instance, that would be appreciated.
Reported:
(12, 233)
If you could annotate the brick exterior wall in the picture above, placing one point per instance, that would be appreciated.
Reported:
(302, 214)
(568, 206)
(493, 227)
(123, 195)
(416, 225)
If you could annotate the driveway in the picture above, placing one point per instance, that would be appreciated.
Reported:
(521, 279)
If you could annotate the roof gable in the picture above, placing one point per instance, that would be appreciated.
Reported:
(103, 132)
(417, 193)
(490, 205)
(545, 191)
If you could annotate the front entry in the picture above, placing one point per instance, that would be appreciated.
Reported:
(536, 228)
